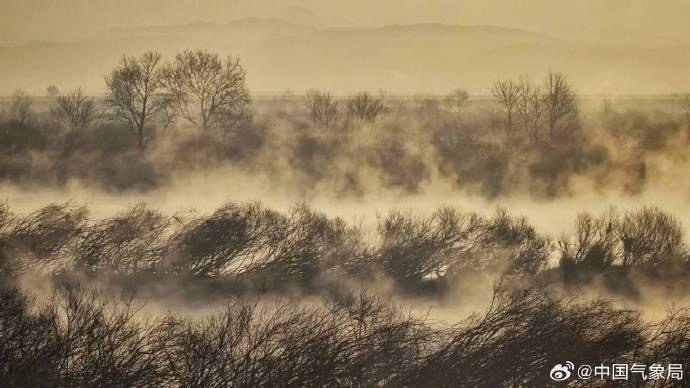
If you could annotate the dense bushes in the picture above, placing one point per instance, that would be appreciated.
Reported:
(648, 241)
(41, 240)
(248, 239)
(304, 247)
(403, 149)
(81, 337)
(525, 334)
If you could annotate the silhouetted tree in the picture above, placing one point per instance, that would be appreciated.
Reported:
(75, 110)
(135, 93)
(530, 108)
(506, 93)
(206, 89)
(560, 104)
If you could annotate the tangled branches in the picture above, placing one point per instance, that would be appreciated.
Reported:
(81, 337)
(303, 247)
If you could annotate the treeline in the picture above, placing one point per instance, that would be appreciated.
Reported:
(303, 247)
(82, 337)
(194, 112)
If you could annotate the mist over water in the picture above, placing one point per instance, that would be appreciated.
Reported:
(379, 198)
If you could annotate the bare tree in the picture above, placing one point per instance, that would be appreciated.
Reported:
(21, 112)
(560, 105)
(206, 89)
(75, 110)
(321, 106)
(364, 106)
(135, 93)
(594, 247)
(530, 107)
(506, 92)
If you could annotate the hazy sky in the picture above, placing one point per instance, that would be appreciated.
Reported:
(653, 22)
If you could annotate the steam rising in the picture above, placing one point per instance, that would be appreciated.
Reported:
(182, 231)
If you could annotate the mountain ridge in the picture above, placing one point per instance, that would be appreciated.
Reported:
(401, 58)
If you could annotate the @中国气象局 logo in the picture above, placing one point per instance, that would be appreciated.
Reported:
(562, 372)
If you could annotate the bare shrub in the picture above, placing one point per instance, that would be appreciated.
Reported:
(312, 244)
(506, 93)
(596, 245)
(75, 110)
(321, 107)
(40, 239)
(651, 237)
(414, 247)
(364, 106)
(27, 341)
(128, 243)
(236, 347)
(248, 239)
(510, 244)
(234, 239)
(83, 337)
(103, 342)
(669, 339)
(357, 341)
(530, 108)
(560, 104)
(542, 329)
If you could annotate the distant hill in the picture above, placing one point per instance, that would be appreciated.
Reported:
(407, 59)
(253, 28)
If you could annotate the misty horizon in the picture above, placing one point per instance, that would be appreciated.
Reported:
(587, 19)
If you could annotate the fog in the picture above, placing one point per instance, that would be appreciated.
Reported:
(660, 23)
(606, 48)
(216, 188)
(210, 193)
